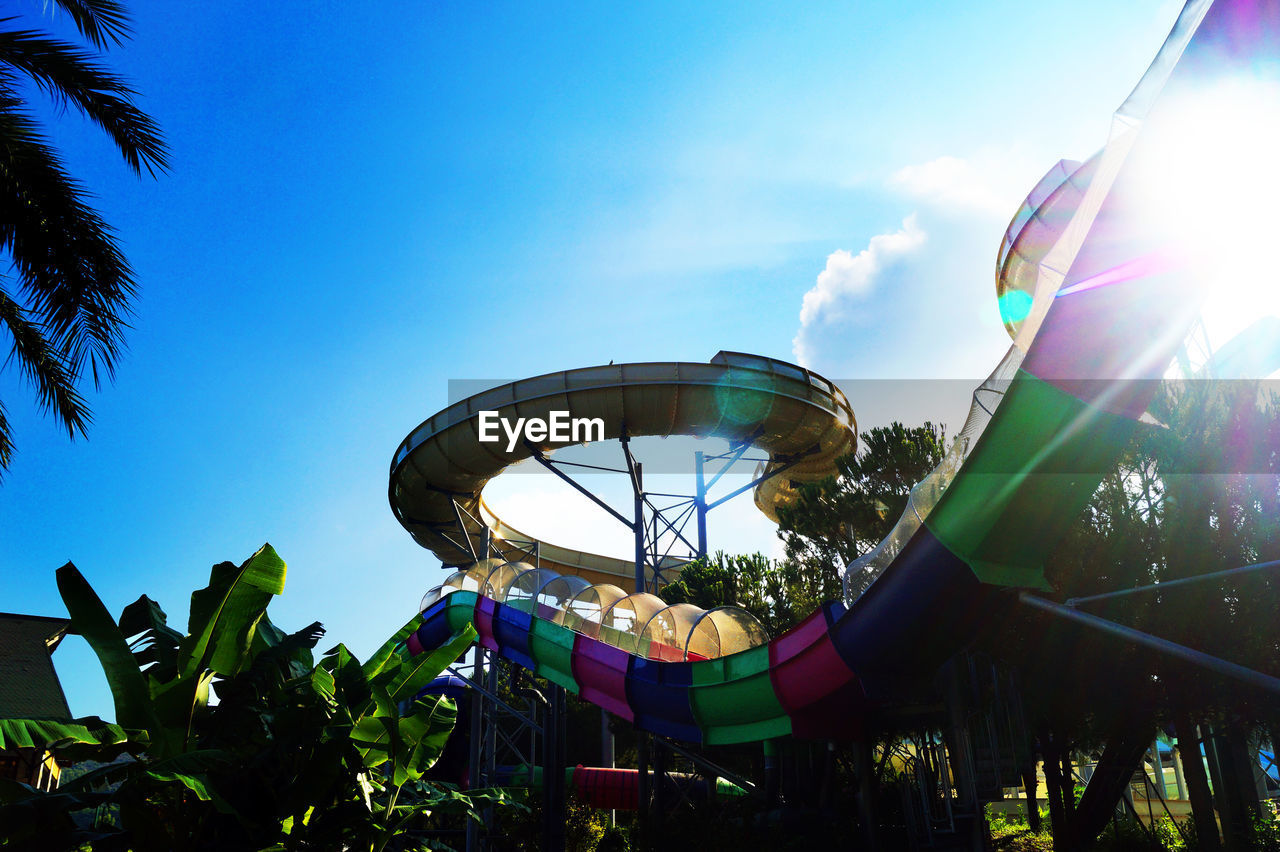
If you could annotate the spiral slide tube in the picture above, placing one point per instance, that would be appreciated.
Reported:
(1104, 307)
(799, 418)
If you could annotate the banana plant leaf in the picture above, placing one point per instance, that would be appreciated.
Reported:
(89, 617)
(45, 733)
(156, 642)
(225, 613)
(416, 672)
(425, 732)
(392, 646)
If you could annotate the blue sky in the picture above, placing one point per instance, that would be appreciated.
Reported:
(368, 200)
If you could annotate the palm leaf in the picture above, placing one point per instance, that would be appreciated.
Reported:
(100, 21)
(176, 705)
(6, 442)
(425, 733)
(73, 278)
(44, 368)
(197, 784)
(70, 75)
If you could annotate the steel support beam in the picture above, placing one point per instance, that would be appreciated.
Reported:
(1171, 649)
(1176, 584)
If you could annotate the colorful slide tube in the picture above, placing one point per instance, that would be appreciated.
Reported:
(1107, 300)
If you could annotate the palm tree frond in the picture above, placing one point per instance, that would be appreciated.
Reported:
(45, 368)
(66, 294)
(103, 22)
(70, 271)
(6, 442)
(71, 76)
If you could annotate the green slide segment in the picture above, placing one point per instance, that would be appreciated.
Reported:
(1040, 459)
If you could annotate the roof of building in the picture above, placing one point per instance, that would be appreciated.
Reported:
(29, 686)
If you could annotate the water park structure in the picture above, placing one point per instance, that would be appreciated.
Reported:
(1099, 295)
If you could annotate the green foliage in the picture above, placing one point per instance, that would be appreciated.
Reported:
(292, 755)
(751, 582)
(835, 521)
(778, 593)
(842, 517)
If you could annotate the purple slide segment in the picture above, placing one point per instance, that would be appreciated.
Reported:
(601, 672)
(485, 608)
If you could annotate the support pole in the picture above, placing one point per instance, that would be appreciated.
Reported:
(1158, 765)
(1172, 649)
(1169, 585)
(476, 758)
(1109, 782)
(607, 752)
(642, 806)
(700, 502)
(553, 787)
(1202, 811)
(659, 791)
(1179, 779)
(864, 769)
(636, 471)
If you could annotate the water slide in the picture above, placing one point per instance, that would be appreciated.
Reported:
(441, 468)
(1097, 304)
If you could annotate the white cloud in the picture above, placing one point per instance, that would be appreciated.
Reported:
(987, 186)
(848, 276)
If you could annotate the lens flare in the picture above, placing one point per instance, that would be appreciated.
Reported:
(1211, 190)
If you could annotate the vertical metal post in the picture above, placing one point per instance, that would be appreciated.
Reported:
(700, 502)
(1179, 779)
(491, 733)
(660, 790)
(642, 806)
(1158, 765)
(475, 764)
(606, 752)
(864, 769)
(553, 792)
(640, 549)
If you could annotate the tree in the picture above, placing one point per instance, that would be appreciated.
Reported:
(293, 755)
(835, 521)
(1196, 491)
(65, 297)
(753, 583)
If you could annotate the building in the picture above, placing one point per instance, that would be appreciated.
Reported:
(29, 689)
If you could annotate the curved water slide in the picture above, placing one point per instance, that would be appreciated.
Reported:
(1097, 305)
(800, 419)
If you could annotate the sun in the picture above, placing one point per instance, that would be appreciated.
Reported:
(1209, 178)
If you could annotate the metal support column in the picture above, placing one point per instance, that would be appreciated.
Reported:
(700, 502)
(553, 759)
(636, 472)
(607, 752)
(474, 762)
(642, 806)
